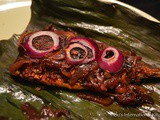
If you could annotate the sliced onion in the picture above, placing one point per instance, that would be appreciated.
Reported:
(111, 59)
(73, 50)
(36, 53)
(90, 44)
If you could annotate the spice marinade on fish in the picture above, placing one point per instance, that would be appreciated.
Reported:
(65, 59)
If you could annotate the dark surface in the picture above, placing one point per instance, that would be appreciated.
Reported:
(151, 7)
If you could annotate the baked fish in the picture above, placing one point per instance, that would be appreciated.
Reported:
(65, 59)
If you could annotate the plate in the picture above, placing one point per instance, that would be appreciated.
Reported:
(14, 17)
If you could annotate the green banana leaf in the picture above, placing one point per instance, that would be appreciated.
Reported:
(110, 23)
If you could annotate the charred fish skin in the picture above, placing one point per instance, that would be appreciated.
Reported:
(53, 69)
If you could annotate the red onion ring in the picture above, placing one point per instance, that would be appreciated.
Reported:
(87, 42)
(114, 63)
(69, 58)
(35, 53)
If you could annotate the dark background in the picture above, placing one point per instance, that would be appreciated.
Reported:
(151, 7)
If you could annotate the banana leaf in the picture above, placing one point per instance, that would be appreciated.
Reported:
(110, 23)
